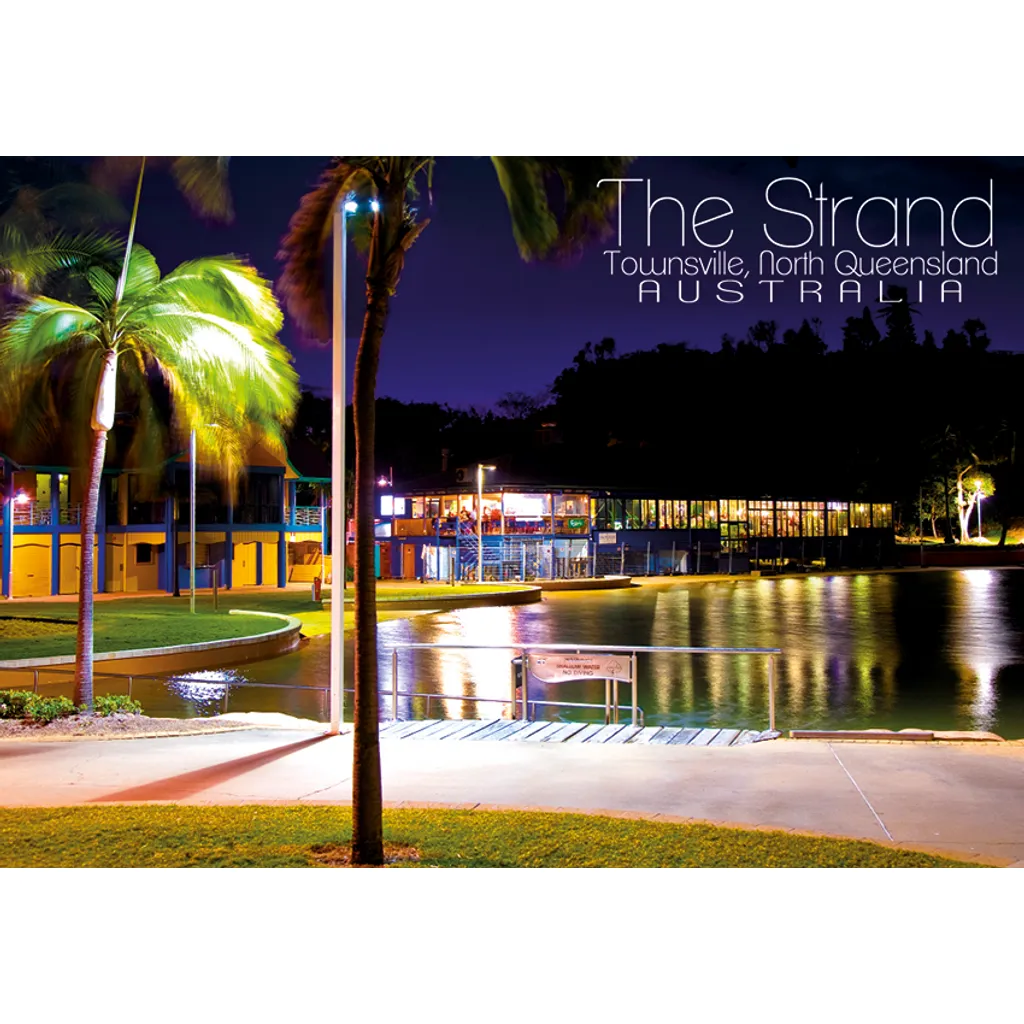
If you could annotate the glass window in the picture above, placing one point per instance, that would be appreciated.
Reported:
(860, 517)
(881, 516)
(527, 506)
(704, 515)
(570, 505)
(666, 515)
(762, 518)
(812, 515)
(734, 536)
(732, 510)
(632, 514)
(416, 506)
(648, 514)
(787, 518)
(143, 554)
(838, 519)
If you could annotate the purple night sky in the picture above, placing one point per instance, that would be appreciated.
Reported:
(471, 321)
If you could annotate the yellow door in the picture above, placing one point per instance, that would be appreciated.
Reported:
(269, 565)
(71, 566)
(31, 567)
(243, 565)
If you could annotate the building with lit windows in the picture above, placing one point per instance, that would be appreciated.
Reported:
(271, 532)
(531, 531)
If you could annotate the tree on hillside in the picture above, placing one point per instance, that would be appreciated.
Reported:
(898, 314)
(555, 205)
(860, 333)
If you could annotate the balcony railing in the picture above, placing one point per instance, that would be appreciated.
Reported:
(34, 513)
(307, 515)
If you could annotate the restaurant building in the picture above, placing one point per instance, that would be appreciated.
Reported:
(534, 530)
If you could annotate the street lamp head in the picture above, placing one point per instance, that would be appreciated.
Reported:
(375, 206)
(21, 498)
(383, 481)
(351, 206)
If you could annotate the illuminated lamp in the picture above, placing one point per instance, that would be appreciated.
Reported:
(21, 498)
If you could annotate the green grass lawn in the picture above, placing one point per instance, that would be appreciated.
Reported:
(258, 836)
(122, 625)
(132, 623)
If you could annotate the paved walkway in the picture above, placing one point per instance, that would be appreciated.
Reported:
(968, 800)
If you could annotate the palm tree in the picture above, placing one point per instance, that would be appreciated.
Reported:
(49, 221)
(206, 332)
(555, 204)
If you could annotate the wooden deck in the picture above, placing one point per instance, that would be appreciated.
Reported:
(562, 732)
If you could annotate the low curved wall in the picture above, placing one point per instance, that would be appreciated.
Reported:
(596, 583)
(497, 599)
(20, 674)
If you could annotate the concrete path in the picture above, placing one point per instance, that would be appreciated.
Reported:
(968, 800)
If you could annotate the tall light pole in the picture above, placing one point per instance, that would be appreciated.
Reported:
(480, 520)
(338, 406)
(345, 207)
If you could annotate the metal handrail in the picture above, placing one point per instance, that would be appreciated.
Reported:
(631, 649)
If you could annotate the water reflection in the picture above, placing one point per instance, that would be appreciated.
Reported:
(981, 642)
(932, 650)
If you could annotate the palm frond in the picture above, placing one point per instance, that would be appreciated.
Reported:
(555, 203)
(35, 259)
(533, 224)
(224, 284)
(585, 208)
(143, 272)
(203, 181)
(43, 330)
(303, 282)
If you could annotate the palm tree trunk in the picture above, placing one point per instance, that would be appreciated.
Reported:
(83, 647)
(367, 825)
(381, 280)
(103, 419)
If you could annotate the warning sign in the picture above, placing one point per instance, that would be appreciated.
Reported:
(563, 668)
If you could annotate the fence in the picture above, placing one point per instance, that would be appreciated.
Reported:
(520, 680)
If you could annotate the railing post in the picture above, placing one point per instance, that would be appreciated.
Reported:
(512, 686)
(771, 692)
(394, 684)
(632, 673)
(35, 680)
(526, 699)
(615, 700)
(129, 687)
(214, 571)
(227, 691)
(607, 701)
(622, 559)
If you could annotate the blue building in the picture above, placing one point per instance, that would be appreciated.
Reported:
(272, 532)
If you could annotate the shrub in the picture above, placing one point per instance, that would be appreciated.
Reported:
(46, 709)
(116, 704)
(14, 702)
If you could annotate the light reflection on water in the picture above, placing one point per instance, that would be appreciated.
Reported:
(936, 650)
